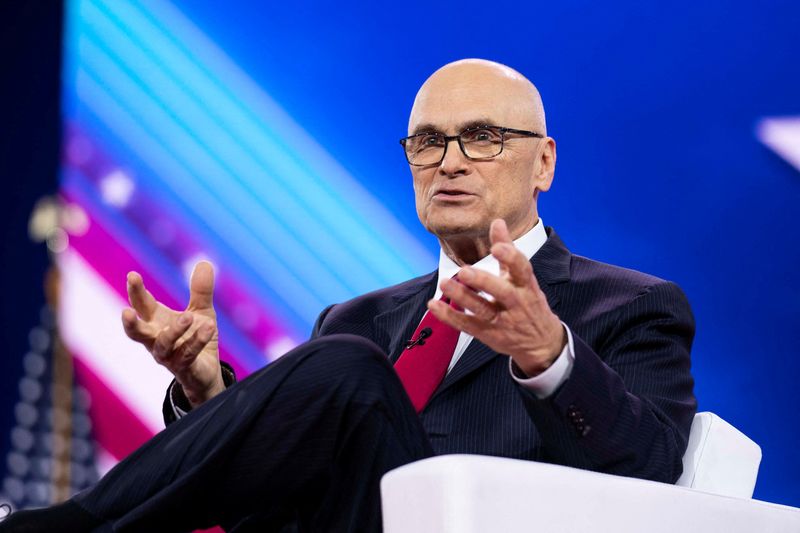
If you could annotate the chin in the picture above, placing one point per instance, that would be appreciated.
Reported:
(456, 228)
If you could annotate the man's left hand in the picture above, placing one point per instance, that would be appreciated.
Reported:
(519, 322)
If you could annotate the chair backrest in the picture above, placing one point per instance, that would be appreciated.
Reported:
(719, 458)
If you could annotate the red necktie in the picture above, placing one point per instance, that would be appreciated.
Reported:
(423, 364)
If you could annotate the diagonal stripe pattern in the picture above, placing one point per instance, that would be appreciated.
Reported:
(210, 166)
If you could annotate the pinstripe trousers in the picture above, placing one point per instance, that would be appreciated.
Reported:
(303, 441)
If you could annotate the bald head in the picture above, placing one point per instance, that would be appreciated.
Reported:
(472, 89)
(458, 198)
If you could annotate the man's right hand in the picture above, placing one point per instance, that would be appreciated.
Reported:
(186, 342)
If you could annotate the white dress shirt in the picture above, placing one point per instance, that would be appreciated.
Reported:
(548, 381)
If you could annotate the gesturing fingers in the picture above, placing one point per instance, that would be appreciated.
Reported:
(498, 232)
(519, 269)
(498, 288)
(466, 298)
(195, 343)
(511, 260)
(139, 297)
(164, 345)
(454, 318)
(136, 329)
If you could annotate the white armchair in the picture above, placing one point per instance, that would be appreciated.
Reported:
(719, 458)
(472, 494)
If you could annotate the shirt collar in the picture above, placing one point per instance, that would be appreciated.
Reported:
(528, 244)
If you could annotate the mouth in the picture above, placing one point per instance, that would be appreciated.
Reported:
(446, 195)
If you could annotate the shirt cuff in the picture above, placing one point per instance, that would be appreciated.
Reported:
(551, 379)
(176, 394)
(177, 398)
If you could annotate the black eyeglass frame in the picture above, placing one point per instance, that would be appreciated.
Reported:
(448, 138)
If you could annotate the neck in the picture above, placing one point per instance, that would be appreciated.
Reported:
(465, 250)
(469, 249)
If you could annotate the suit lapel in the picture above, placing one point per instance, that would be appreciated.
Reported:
(551, 267)
(399, 322)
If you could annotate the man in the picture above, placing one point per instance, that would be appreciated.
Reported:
(514, 347)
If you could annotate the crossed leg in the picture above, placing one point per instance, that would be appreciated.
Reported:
(304, 440)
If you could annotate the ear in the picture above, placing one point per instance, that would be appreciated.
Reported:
(546, 165)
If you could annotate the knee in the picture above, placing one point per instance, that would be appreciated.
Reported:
(347, 349)
(345, 369)
(347, 355)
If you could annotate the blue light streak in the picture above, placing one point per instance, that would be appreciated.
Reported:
(250, 168)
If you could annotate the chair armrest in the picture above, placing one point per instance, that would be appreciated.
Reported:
(719, 458)
(471, 494)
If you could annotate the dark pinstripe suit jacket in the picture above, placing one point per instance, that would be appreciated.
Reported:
(628, 404)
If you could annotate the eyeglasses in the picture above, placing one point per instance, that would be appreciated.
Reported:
(479, 142)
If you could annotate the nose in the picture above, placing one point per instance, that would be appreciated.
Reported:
(454, 163)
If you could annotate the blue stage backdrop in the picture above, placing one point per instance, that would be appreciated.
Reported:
(263, 136)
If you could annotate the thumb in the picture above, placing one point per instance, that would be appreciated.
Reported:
(498, 232)
(201, 286)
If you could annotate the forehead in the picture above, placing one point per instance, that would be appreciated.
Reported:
(451, 110)
(453, 102)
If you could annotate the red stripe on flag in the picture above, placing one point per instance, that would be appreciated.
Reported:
(115, 427)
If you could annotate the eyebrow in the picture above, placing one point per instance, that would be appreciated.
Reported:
(431, 128)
